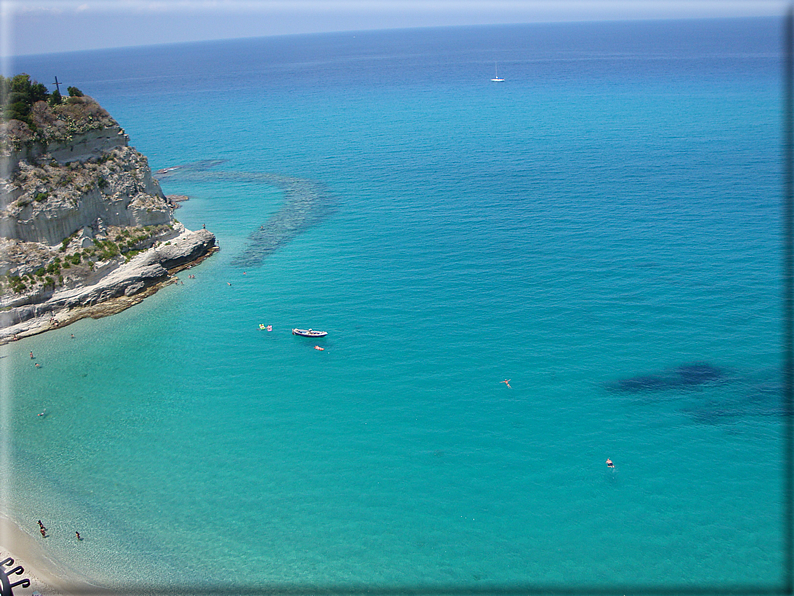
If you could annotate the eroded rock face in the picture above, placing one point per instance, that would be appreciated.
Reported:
(184, 249)
(76, 168)
(48, 201)
(116, 279)
(82, 220)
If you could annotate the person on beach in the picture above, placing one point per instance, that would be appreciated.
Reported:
(610, 464)
(506, 382)
(41, 525)
(43, 531)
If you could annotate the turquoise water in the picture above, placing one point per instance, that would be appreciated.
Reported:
(604, 219)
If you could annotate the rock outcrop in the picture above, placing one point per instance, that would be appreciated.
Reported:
(123, 280)
(82, 220)
(76, 169)
(46, 202)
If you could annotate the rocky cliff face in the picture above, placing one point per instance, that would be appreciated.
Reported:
(48, 200)
(76, 172)
(77, 203)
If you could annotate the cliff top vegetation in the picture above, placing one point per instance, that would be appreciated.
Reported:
(30, 113)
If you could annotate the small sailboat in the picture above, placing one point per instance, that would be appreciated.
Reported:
(496, 78)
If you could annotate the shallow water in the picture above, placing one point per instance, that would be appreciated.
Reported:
(608, 214)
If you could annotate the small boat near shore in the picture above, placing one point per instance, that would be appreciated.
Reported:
(309, 333)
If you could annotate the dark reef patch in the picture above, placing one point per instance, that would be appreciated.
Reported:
(733, 398)
(686, 376)
(757, 401)
(306, 203)
(196, 166)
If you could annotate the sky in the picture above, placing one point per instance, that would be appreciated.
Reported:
(47, 26)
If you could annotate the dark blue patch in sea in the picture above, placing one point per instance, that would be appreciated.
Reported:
(686, 376)
(306, 203)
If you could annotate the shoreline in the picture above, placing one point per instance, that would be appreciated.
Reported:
(58, 318)
(148, 273)
(48, 576)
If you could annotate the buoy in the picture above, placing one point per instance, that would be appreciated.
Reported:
(318, 348)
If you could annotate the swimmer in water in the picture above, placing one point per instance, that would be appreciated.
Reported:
(610, 464)
(43, 413)
(78, 535)
(31, 355)
(506, 382)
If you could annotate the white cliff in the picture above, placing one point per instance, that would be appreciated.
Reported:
(82, 220)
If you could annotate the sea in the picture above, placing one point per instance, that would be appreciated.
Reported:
(519, 280)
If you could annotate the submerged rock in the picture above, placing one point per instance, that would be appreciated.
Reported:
(685, 376)
(306, 204)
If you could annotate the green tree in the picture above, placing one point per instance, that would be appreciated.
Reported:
(55, 98)
(74, 92)
(38, 92)
(18, 95)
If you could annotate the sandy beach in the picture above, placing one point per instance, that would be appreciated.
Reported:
(47, 576)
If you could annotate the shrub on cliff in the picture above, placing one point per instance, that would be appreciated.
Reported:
(29, 112)
(18, 95)
(55, 98)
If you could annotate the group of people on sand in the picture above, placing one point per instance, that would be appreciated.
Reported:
(43, 531)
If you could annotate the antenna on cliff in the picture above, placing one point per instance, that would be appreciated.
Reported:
(57, 84)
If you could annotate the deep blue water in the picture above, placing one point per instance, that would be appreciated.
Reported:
(602, 229)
